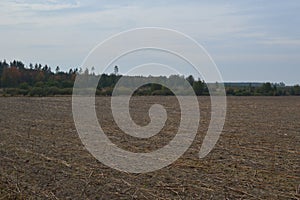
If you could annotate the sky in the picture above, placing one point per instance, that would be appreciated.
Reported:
(249, 40)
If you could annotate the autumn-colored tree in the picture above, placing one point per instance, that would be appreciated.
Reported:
(10, 77)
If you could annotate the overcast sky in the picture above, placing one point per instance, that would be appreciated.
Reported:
(249, 40)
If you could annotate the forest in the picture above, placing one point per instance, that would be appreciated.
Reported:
(16, 79)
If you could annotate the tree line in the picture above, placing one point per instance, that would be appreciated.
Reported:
(40, 80)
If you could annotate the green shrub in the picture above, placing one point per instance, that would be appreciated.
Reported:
(142, 92)
(51, 91)
(65, 91)
(52, 84)
(12, 91)
(23, 92)
(24, 86)
(39, 84)
(37, 91)
(162, 93)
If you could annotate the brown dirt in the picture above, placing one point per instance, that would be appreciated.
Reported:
(257, 156)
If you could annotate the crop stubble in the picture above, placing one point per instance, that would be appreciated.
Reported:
(257, 156)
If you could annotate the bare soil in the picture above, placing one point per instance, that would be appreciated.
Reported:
(257, 156)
